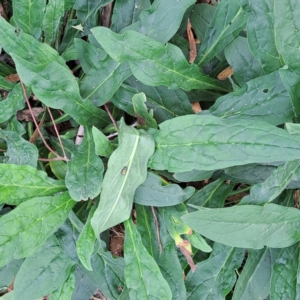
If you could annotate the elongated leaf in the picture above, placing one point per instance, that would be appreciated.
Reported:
(194, 175)
(6, 85)
(264, 98)
(46, 73)
(261, 35)
(126, 12)
(228, 20)
(161, 21)
(14, 125)
(153, 193)
(28, 15)
(255, 280)
(287, 33)
(19, 151)
(142, 274)
(104, 75)
(65, 291)
(9, 272)
(153, 63)
(245, 65)
(285, 275)
(166, 103)
(267, 191)
(207, 143)
(127, 169)
(20, 183)
(35, 277)
(214, 277)
(212, 195)
(52, 22)
(102, 144)
(13, 102)
(85, 170)
(248, 226)
(25, 229)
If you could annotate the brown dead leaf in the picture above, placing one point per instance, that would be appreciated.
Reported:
(225, 73)
(25, 114)
(12, 78)
(192, 42)
(2, 12)
(196, 107)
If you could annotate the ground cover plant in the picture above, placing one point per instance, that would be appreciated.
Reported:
(170, 124)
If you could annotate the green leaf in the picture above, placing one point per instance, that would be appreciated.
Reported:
(85, 170)
(35, 277)
(28, 16)
(65, 291)
(154, 63)
(58, 167)
(9, 272)
(13, 102)
(161, 21)
(285, 275)
(228, 20)
(153, 193)
(264, 98)
(254, 282)
(267, 191)
(142, 274)
(20, 183)
(19, 151)
(86, 241)
(141, 111)
(286, 26)
(248, 226)
(209, 143)
(194, 175)
(166, 103)
(52, 22)
(261, 35)
(127, 169)
(214, 277)
(14, 125)
(212, 195)
(102, 144)
(245, 65)
(104, 75)
(25, 229)
(126, 12)
(6, 85)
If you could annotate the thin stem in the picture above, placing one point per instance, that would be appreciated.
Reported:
(111, 117)
(157, 228)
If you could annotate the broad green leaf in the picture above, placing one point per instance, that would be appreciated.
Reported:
(245, 65)
(41, 68)
(102, 144)
(161, 21)
(35, 277)
(214, 277)
(144, 117)
(142, 274)
(154, 63)
(285, 275)
(20, 183)
(264, 98)
(86, 241)
(166, 103)
(14, 125)
(25, 229)
(65, 291)
(28, 16)
(126, 12)
(287, 35)
(292, 128)
(228, 20)
(267, 191)
(9, 272)
(291, 80)
(126, 170)
(248, 226)
(19, 151)
(52, 22)
(209, 143)
(153, 193)
(254, 282)
(104, 75)
(261, 36)
(6, 85)
(194, 175)
(58, 167)
(201, 17)
(212, 195)
(13, 102)
(85, 170)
